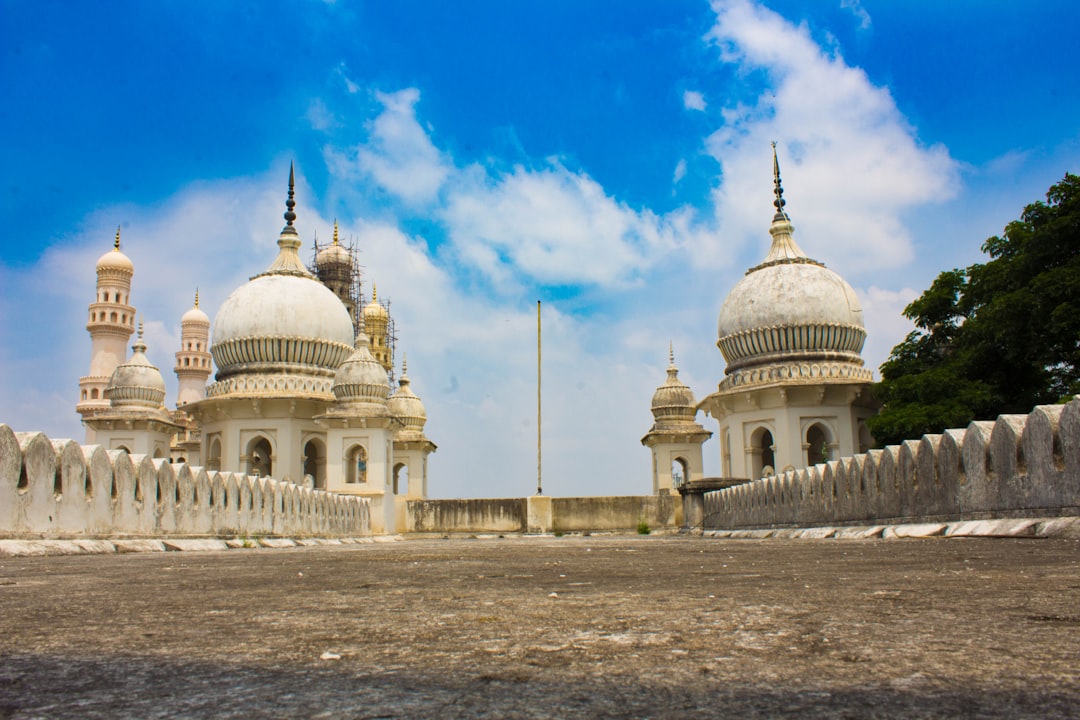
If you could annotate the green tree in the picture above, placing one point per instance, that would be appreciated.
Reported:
(996, 337)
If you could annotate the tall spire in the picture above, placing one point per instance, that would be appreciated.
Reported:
(291, 202)
(784, 249)
(778, 190)
(288, 260)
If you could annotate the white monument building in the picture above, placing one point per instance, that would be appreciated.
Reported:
(298, 394)
(795, 392)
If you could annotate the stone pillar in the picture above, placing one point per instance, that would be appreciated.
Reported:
(539, 518)
(693, 499)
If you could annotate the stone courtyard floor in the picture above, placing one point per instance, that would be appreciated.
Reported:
(598, 627)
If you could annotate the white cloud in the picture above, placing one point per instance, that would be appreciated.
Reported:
(860, 13)
(343, 73)
(320, 116)
(693, 100)
(398, 154)
(680, 171)
(851, 162)
(883, 315)
(552, 225)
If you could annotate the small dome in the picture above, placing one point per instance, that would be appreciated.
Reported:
(789, 307)
(136, 383)
(404, 404)
(673, 401)
(195, 315)
(375, 310)
(361, 379)
(115, 260)
(333, 254)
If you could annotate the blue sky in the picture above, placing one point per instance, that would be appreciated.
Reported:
(611, 159)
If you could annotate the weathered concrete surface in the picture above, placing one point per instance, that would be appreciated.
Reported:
(640, 627)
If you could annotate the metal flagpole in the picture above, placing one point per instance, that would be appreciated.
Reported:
(539, 475)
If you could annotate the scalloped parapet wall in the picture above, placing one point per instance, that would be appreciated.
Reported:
(1017, 465)
(58, 488)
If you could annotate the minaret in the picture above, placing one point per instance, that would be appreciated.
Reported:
(376, 322)
(193, 360)
(111, 323)
(335, 268)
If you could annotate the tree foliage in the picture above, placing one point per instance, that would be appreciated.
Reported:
(996, 337)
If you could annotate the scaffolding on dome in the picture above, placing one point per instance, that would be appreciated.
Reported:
(345, 279)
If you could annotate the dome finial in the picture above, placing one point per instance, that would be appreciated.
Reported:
(335, 232)
(404, 365)
(196, 297)
(291, 202)
(374, 292)
(779, 202)
(671, 352)
(116, 244)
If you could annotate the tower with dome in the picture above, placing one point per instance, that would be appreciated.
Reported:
(795, 392)
(297, 395)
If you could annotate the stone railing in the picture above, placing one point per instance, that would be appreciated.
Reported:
(1020, 465)
(58, 488)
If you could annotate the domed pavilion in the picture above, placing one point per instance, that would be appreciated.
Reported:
(795, 392)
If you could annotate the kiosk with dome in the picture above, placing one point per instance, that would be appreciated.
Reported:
(795, 392)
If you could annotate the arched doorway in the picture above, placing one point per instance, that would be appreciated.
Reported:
(315, 463)
(680, 472)
(401, 479)
(763, 453)
(818, 440)
(260, 458)
(356, 465)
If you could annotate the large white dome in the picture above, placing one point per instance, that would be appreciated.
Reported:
(790, 309)
(283, 322)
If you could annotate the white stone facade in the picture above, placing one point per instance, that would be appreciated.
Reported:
(297, 395)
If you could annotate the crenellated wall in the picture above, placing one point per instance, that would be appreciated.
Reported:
(1018, 465)
(58, 488)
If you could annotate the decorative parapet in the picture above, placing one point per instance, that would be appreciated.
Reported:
(1017, 465)
(788, 373)
(58, 488)
(273, 385)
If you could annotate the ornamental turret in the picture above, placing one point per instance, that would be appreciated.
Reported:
(377, 324)
(675, 437)
(193, 361)
(111, 323)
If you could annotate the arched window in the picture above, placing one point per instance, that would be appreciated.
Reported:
(680, 472)
(213, 458)
(315, 463)
(763, 453)
(818, 440)
(94, 394)
(112, 317)
(356, 470)
(260, 461)
(401, 479)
